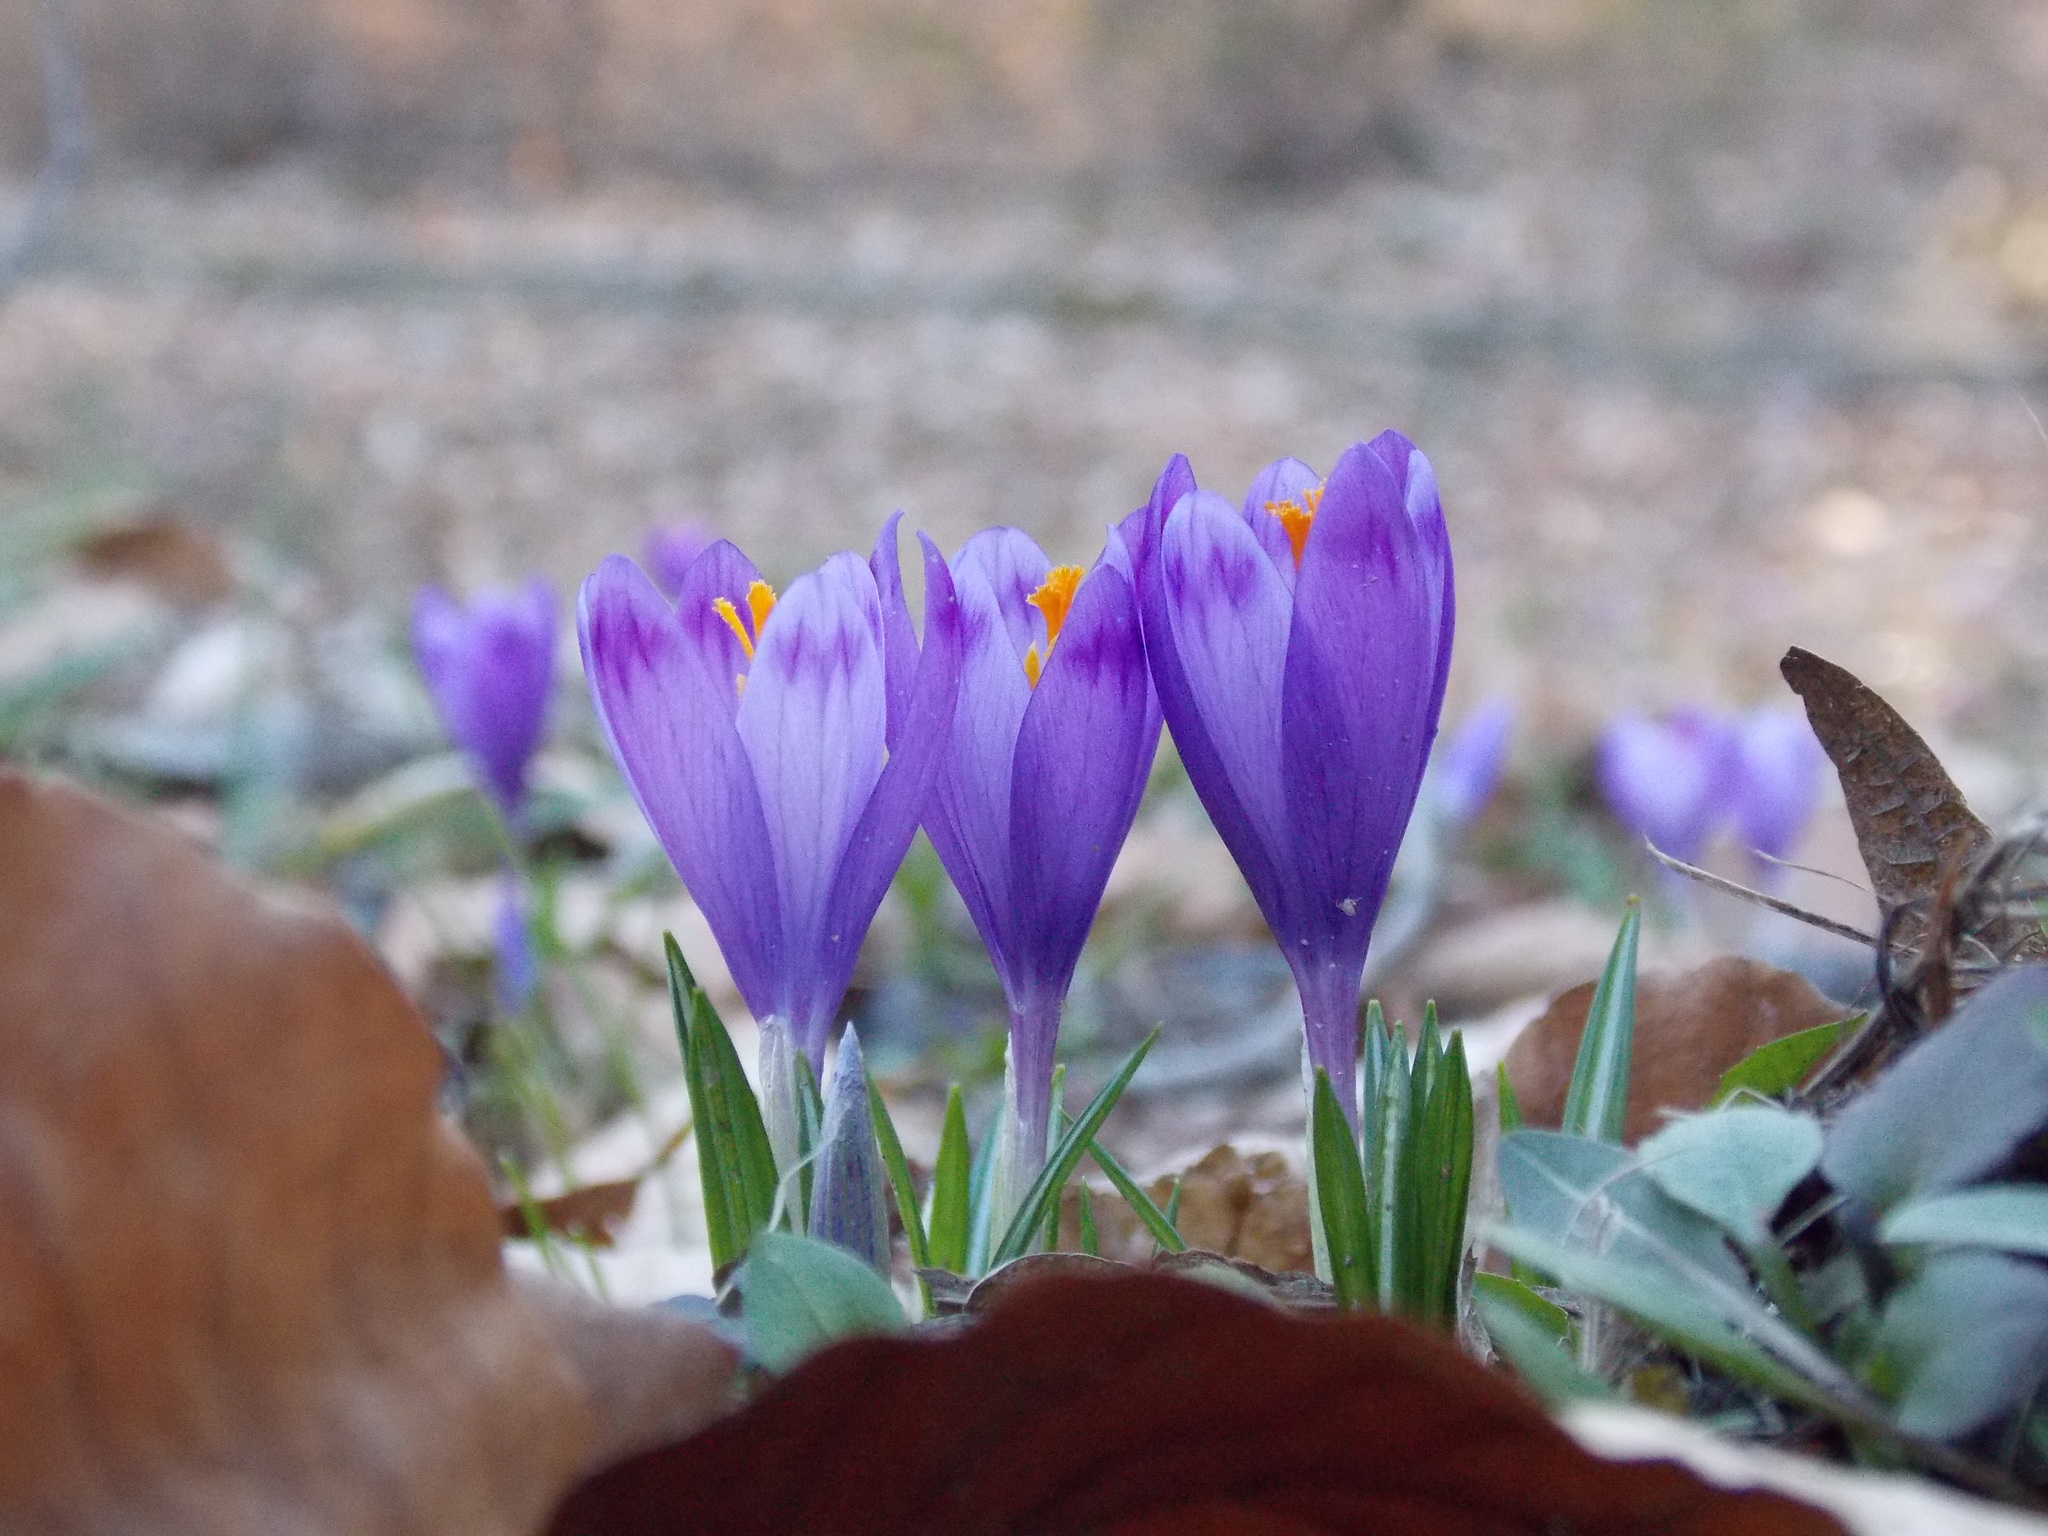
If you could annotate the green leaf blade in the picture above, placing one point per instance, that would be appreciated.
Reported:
(1341, 1194)
(951, 1175)
(1596, 1104)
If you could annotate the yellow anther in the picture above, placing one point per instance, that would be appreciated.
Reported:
(760, 603)
(1054, 597)
(1297, 516)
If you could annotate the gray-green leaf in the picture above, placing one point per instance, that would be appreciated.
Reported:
(800, 1294)
(1734, 1166)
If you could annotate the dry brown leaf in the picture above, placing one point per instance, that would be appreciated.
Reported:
(249, 1279)
(1911, 821)
(588, 1214)
(1253, 1208)
(170, 556)
(1690, 1029)
(1139, 1404)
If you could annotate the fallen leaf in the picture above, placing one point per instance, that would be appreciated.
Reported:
(1253, 1208)
(1690, 1029)
(589, 1213)
(172, 557)
(249, 1278)
(1139, 1404)
(1911, 821)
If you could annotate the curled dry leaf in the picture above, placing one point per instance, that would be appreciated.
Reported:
(588, 1214)
(1911, 822)
(249, 1280)
(1244, 1207)
(1137, 1404)
(1690, 1029)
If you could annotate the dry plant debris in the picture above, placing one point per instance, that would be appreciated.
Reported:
(1690, 1029)
(249, 1280)
(1136, 1404)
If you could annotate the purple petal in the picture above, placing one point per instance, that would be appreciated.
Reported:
(1469, 766)
(813, 720)
(1778, 780)
(1158, 599)
(1359, 718)
(671, 551)
(516, 972)
(1229, 613)
(1668, 780)
(882, 836)
(489, 670)
(663, 702)
(719, 572)
(1280, 482)
(899, 636)
(968, 815)
(1082, 759)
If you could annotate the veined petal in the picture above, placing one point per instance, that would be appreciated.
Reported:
(968, 814)
(1082, 758)
(661, 701)
(1416, 476)
(720, 571)
(1229, 613)
(899, 637)
(1280, 482)
(814, 718)
(882, 836)
(1361, 699)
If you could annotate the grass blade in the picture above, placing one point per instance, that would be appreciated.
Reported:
(1156, 1221)
(1060, 1165)
(1340, 1191)
(946, 1245)
(979, 1186)
(1596, 1104)
(737, 1166)
(903, 1186)
(1510, 1105)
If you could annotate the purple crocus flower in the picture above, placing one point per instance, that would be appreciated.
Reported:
(1469, 766)
(1052, 742)
(488, 667)
(1300, 647)
(1778, 780)
(781, 749)
(1669, 780)
(671, 550)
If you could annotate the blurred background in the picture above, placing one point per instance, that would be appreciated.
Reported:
(1724, 321)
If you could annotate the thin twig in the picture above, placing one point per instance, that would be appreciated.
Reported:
(1717, 882)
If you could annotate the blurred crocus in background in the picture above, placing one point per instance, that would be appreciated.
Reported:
(488, 667)
(1467, 770)
(782, 749)
(1669, 780)
(1051, 745)
(1777, 783)
(671, 549)
(1300, 647)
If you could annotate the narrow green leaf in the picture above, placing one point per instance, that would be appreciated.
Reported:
(1090, 1244)
(1060, 1164)
(1596, 1104)
(1533, 1336)
(799, 1294)
(1055, 1126)
(1385, 1135)
(736, 1164)
(1156, 1221)
(1779, 1067)
(947, 1244)
(900, 1182)
(1443, 1181)
(1173, 1205)
(980, 1186)
(1340, 1192)
(1510, 1106)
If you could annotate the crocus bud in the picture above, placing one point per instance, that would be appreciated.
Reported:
(849, 1190)
(1778, 780)
(1669, 780)
(670, 551)
(488, 667)
(1468, 767)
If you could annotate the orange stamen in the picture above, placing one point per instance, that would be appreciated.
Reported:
(1297, 517)
(760, 603)
(1054, 598)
